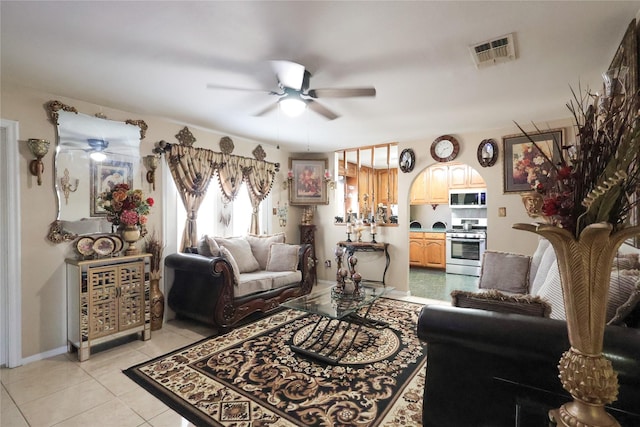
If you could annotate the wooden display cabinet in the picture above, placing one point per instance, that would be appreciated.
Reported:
(107, 298)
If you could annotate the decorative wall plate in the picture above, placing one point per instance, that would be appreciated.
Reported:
(103, 246)
(487, 153)
(226, 145)
(84, 246)
(407, 160)
(445, 148)
(119, 243)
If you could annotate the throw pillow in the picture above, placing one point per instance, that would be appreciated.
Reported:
(206, 249)
(493, 300)
(551, 291)
(226, 254)
(505, 272)
(241, 251)
(283, 257)
(260, 246)
(623, 285)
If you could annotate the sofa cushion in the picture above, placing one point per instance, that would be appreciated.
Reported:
(628, 306)
(208, 247)
(241, 251)
(624, 283)
(283, 257)
(536, 260)
(551, 291)
(284, 278)
(260, 246)
(626, 262)
(505, 272)
(259, 281)
(493, 300)
(547, 259)
(250, 283)
(226, 254)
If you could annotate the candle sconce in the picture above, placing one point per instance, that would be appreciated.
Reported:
(151, 162)
(39, 148)
(67, 187)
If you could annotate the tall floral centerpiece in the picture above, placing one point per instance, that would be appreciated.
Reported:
(587, 199)
(127, 209)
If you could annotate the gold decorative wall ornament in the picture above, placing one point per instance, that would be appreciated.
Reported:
(185, 137)
(67, 187)
(226, 145)
(259, 153)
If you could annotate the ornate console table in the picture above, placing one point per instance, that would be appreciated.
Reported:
(369, 247)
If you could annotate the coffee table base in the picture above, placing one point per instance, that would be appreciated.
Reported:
(331, 339)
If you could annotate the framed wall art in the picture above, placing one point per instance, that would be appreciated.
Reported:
(104, 176)
(307, 184)
(523, 161)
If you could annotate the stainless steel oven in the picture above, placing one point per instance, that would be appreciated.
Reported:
(465, 250)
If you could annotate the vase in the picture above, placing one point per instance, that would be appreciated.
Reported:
(585, 269)
(157, 302)
(131, 234)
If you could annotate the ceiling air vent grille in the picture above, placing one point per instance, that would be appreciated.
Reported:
(490, 52)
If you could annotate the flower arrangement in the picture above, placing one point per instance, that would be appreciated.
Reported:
(597, 178)
(125, 206)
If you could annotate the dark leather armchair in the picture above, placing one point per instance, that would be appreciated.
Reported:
(496, 369)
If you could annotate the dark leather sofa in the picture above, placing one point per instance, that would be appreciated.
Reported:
(496, 369)
(202, 288)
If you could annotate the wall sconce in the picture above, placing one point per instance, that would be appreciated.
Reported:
(65, 183)
(39, 148)
(152, 164)
(327, 179)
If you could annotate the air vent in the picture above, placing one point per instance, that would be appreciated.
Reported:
(490, 52)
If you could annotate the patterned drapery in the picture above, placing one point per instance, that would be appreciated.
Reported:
(259, 177)
(193, 168)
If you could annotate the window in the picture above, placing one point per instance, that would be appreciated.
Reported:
(213, 214)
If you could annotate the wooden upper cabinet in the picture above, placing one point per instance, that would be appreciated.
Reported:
(438, 184)
(387, 181)
(475, 179)
(458, 176)
(419, 190)
(464, 176)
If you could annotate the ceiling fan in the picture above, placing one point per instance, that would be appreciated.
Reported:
(294, 93)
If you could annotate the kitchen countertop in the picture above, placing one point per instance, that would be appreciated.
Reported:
(427, 230)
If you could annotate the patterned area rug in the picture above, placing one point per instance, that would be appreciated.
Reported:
(250, 377)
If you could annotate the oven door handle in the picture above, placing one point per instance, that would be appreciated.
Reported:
(458, 239)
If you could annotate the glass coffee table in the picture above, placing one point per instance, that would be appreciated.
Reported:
(340, 318)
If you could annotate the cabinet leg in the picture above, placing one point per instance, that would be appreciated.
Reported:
(146, 334)
(84, 353)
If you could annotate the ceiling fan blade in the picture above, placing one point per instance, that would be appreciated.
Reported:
(289, 73)
(244, 89)
(342, 92)
(321, 109)
(267, 109)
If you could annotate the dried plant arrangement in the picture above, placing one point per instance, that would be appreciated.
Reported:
(155, 248)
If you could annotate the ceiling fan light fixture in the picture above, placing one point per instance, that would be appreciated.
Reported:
(98, 156)
(292, 107)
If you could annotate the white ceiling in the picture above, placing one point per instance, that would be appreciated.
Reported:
(156, 58)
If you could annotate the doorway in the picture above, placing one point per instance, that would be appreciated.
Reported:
(10, 278)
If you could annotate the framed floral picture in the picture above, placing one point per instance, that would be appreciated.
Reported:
(104, 176)
(307, 184)
(523, 162)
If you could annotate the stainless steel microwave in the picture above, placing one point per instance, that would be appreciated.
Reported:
(476, 198)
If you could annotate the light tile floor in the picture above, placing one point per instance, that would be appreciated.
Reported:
(437, 285)
(62, 392)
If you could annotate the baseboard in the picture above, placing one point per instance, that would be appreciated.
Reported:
(44, 355)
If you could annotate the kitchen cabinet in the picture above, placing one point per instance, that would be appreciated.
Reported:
(351, 170)
(427, 250)
(387, 180)
(431, 186)
(464, 176)
(107, 298)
